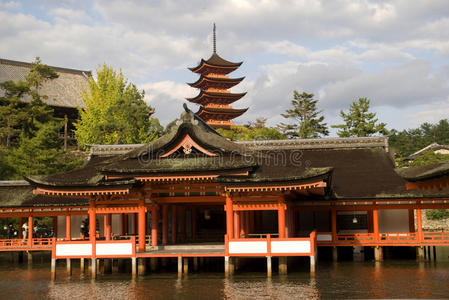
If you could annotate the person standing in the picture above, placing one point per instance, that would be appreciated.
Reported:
(24, 231)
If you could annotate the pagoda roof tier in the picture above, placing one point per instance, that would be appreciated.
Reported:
(205, 97)
(205, 82)
(215, 64)
(212, 113)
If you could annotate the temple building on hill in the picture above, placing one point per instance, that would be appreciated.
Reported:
(64, 94)
(214, 97)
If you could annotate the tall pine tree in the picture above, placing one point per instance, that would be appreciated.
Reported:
(359, 122)
(308, 120)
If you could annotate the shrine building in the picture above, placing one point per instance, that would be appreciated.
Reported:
(194, 194)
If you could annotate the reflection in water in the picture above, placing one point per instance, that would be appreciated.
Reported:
(388, 279)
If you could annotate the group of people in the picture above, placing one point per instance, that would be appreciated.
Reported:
(38, 232)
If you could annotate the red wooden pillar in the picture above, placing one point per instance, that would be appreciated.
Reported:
(281, 220)
(229, 218)
(20, 228)
(182, 224)
(174, 225)
(334, 224)
(92, 223)
(55, 226)
(68, 228)
(107, 226)
(164, 224)
(411, 220)
(141, 227)
(236, 224)
(194, 222)
(242, 217)
(251, 221)
(419, 224)
(376, 224)
(154, 224)
(30, 231)
(133, 223)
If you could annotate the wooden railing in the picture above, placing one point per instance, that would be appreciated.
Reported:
(391, 239)
(24, 244)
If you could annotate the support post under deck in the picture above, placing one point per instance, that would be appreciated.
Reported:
(69, 267)
(53, 268)
(269, 266)
(179, 266)
(133, 267)
(283, 265)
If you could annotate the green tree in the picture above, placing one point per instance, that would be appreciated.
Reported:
(115, 112)
(21, 106)
(359, 122)
(245, 133)
(41, 154)
(28, 124)
(309, 123)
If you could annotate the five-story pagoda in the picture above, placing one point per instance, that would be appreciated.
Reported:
(214, 84)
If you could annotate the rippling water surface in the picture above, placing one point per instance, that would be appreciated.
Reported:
(389, 279)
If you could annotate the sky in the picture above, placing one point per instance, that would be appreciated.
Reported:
(394, 52)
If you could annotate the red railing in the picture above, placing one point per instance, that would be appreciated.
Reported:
(23, 244)
(369, 239)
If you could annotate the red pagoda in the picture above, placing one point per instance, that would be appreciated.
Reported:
(214, 84)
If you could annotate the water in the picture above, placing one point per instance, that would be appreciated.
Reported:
(389, 279)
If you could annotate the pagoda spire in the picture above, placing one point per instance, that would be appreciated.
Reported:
(215, 39)
(214, 84)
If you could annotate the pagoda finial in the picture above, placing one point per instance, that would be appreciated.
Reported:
(215, 40)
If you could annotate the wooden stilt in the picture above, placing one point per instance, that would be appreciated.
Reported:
(269, 266)
(53, 268)
(82, 265)
(335, 254)
(93, 268)
(133, 267)
(378, 253)
(69, 267)
(434, 253)
(283, 265)
(179, 266)
(186, 265)
(312, 265)
(29, 258)
(226, 266)
(195, 264)
(142, 266)
(153, 264)
(420, 254)
(107, 266)
(231, 265)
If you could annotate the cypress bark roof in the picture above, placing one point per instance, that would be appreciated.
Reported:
(426, 172)
(225, 83)
(353, 168)
(64, 91)
(19, 193)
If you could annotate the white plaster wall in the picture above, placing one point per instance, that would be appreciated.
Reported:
(393, 220)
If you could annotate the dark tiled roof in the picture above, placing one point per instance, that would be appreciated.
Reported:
(64, 91)
(218, 61)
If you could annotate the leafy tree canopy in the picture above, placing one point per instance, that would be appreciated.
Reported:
(408, 141)
(308, 120)
(115, 112)
(252, 131)
(28, 129)
(359, 122)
